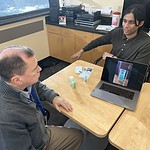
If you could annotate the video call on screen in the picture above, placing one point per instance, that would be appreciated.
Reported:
(123, 73)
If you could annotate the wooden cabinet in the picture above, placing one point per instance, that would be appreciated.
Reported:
(61, 42)
(64, 42)
(82, 39)
(54, 41)
(97, 52)
(67, 43)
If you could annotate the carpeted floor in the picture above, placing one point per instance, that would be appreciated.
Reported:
(49, 67)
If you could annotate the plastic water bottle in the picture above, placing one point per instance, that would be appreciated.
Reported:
(72, 82)
(115, 19)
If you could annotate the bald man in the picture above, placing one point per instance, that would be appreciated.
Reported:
(22, 124)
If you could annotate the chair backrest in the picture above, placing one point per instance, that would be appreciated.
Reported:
(97, 60)
(148, 76)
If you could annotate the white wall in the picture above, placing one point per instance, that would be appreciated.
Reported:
(37, 41)
(115, 4)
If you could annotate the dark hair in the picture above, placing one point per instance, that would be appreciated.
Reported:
(14, 64)
(138, 12)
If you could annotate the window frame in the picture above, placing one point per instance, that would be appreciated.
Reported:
(24, 16)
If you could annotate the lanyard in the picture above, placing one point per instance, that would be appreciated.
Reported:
(39, 105)
(38, 102)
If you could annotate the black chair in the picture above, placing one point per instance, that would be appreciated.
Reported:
(148, 75)
(97, 60)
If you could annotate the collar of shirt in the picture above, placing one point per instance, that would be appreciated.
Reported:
(27, 93)
(138, 35)
(124, 37)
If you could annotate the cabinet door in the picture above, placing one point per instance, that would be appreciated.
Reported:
(82, 39)
(68, 48)
(97, 52)
(54, 40)
(55, 45)
(68, 43)
(53, 29)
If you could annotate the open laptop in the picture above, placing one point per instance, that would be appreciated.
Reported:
(121, 82)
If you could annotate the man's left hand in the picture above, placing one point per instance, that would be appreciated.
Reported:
(59, 101)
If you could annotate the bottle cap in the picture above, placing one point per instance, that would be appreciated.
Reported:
(116, 13)
(71, 77)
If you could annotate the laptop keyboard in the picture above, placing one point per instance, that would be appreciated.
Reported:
(117, 91)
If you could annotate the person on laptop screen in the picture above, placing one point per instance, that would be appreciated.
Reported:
(129, 42)
(122, 73)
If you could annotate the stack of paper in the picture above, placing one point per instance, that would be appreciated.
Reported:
(85, 71)
(104, 27)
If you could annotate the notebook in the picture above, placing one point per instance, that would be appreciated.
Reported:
(121, 82)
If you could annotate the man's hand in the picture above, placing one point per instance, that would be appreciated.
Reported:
(59, 101)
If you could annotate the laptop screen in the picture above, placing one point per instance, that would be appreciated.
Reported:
(124, 73)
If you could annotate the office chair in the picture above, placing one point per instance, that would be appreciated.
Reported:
(148, 74)
(97, 60)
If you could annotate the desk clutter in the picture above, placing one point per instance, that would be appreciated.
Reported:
(105, 27)
(86, 19)
(84, 72)
(81, 17)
